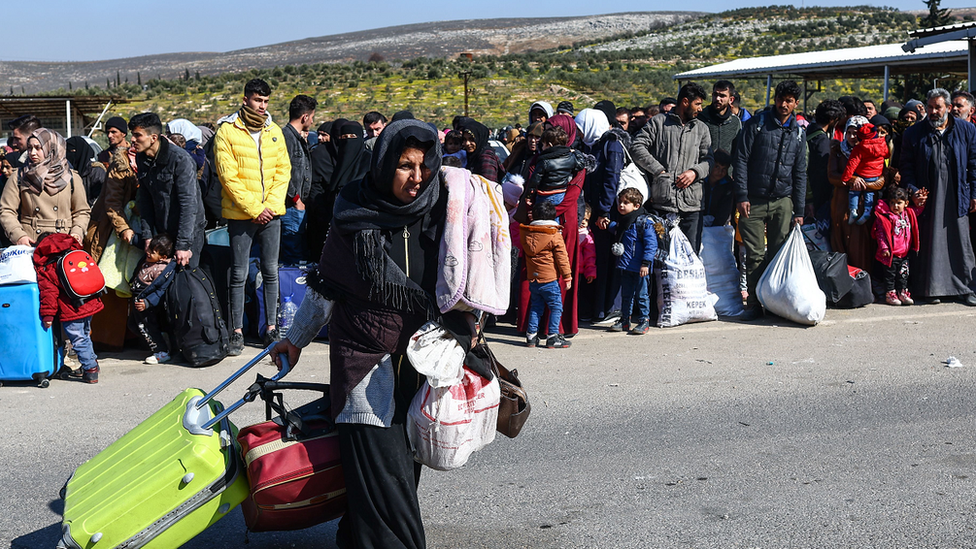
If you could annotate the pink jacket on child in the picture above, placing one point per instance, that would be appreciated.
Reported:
(586, 254)
(895, 233)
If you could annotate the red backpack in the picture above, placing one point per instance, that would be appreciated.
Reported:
(80, 277)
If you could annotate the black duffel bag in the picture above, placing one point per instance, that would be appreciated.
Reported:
(832, 274)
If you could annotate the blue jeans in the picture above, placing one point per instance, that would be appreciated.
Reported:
(293, 246)
(632, 283)
(545, 294)
(854, 198)
(78, 332)
(268, 236)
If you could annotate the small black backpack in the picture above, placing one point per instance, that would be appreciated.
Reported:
(198, 327)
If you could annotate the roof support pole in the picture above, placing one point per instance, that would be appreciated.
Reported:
(805, 95)
(769, 87)
(67, 109)
(887, 76)
(971, 76)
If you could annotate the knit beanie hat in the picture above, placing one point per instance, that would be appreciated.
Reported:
(565, 107)
(118, 123)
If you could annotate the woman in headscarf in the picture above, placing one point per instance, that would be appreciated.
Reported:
(854, 240)
(81, 158)
(385, 236)
(482, 160)
(525, 152)
(540, 111)
(45, 195)
(607, 144)
(350, 161)
(567, 214)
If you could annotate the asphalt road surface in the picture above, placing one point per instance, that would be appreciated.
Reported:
(724, 434)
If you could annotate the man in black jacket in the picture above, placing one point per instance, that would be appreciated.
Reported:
(169, 196)
(301, 115)
(770, 165)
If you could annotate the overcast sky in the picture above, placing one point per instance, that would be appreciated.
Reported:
(110, 29)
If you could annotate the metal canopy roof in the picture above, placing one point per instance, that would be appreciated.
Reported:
(51, 106)
(864, 62)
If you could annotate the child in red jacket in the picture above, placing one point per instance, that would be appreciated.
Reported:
(896, 230)
(55, 303)
(866, 161)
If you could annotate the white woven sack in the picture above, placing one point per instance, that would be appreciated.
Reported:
(447, 424)
(682, 289)
(17, 265)
(789, 286)
(721, 270)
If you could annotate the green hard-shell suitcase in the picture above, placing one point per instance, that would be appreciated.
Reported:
(163, 482)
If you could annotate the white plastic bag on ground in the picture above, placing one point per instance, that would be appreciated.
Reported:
(446, 425)
(721, 270)
(789, 286)
(682, 290)
(435, 353)
(17, 265)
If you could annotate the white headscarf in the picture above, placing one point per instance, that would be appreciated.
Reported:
(185, 128)
(592, 124)
(541, 105)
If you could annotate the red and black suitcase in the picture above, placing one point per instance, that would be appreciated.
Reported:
(293, 465)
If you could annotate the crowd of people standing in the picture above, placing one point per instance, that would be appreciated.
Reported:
(892, 186)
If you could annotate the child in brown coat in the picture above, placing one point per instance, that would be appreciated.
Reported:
(546, 261)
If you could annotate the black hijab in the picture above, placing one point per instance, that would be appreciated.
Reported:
(480, 132)
(368, 210)
(79, 154)
(349, 152)
(608, 108)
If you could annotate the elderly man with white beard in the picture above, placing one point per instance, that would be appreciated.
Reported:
(939, 154)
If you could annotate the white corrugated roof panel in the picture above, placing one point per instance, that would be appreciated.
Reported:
(868, 59)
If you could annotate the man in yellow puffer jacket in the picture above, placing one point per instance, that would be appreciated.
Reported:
(254, 171)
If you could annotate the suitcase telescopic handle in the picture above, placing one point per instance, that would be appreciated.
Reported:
(285, 368)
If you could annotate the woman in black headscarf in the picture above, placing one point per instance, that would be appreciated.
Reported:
(81, 156)
(482, 160)
(385, 239)
(349, 161)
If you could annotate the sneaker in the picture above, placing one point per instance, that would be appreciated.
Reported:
(271, 336)
(557, 341)
(158, 358)
(864, 218)
(67, 372)
(906, 298)
(641, 328)
(618, 326)
(891, 298)
(531, 340)
(90, 376)
(852, 217)
(236, 347)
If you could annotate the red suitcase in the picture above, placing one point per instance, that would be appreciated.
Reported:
(293, 465)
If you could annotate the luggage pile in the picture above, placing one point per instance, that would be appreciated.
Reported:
(187, 466)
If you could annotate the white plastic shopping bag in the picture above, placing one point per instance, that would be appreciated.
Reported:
(789, 286)
(447, 424)
(682, 289)
(721, 270)
(435, 353)
(17, 265)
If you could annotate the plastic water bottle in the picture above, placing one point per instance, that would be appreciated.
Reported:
(286, 316)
